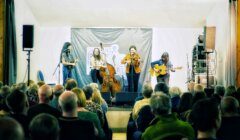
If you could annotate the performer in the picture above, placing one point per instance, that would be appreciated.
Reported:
(169, 67)
(97, 61)
(68, 61)
(132, 69)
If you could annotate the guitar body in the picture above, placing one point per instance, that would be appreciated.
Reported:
(160, 70)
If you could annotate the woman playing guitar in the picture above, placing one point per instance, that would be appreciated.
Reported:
(132, 59)
(164, 62)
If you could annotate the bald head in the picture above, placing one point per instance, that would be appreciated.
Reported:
(58, 90)
(44, 93)
(68, 102)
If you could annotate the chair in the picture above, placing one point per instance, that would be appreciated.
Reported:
(40, 76)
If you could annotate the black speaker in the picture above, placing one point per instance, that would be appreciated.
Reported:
(28, 32)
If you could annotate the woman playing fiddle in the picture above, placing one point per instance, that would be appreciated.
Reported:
(97, 62)
(132, 59)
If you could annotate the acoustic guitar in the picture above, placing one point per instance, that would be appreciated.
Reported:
(161, 70)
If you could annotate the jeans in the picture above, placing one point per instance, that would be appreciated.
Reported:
(67, 73)
(95, 74)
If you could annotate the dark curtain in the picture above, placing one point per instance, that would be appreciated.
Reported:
(10, 45)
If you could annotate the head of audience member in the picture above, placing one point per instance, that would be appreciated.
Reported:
(175, 92)
(88, 92)
(198, 96)
(229, 106)
(4, 91)
(44, 94)
(40, 83)
(70, 84)
(22, 87)
(10, 129)
(185, 102)
(161, 87)
(147, 90)
(32, 94)
(206, 117)
(80, 96)
(30, 83)
(97, 97)
(209, 91)
(58, 90)
(93, 85)
(160, 104)
(13, 87)
(44, 127)
(68, 103)
(190, 86)
(17, 102)
(220, 90)
(198, 88)
(230, 91)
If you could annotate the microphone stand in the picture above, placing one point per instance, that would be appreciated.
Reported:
(132, 68)
(58, 67)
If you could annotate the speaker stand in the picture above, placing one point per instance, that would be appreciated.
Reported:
(28, 65)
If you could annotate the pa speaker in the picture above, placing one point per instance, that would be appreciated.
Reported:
(28, 35)
(209, 37)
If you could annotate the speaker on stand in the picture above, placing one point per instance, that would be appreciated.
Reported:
(28, 35)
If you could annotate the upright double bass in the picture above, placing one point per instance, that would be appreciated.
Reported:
(110, 83)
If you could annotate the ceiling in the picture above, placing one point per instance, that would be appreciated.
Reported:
(122, 13)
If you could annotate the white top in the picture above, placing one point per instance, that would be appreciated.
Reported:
(97, 64)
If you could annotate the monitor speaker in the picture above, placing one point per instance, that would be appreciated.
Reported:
(209, 38)
(28, 35)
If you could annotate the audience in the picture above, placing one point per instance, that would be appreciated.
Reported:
(73, 128)
(206, 119)
(44, 127)
(44, 95)
(10, 129)
(166, 125)
(164, 114)
(230, 125)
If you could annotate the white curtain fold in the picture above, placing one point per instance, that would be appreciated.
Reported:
(231, 63)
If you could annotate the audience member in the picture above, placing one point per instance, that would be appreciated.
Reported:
(10, 129)
(185, 105)
(206, 119)
(198, 88)
(161, 87)
(220, 90)
(40, 83)
(44, 95)
(147, 93)
(97, 98)
(44, 127)
(166, 124)
(230, 91)
(70, 84)
(32, 94)
(85, 114)
(4, 110)
(57, 91)
(18, 104)
(91, 106)
(230, 125)
(175, 94)
(73, 128)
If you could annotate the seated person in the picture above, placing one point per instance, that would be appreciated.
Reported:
(165, 123)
